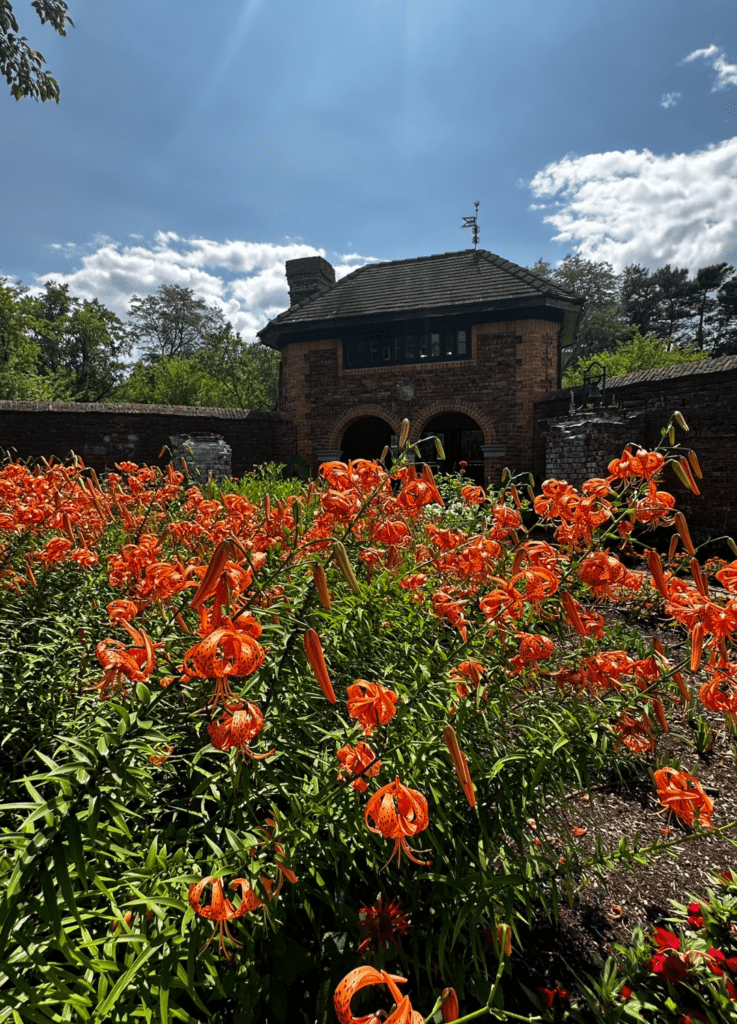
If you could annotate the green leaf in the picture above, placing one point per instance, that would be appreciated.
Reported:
(122, 983)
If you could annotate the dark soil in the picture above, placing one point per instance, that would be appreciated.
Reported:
(552, 952)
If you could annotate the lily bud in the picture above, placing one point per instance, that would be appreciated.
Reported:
(346, 569)
(384, 453)
(732, 545)
(404, 433)
(68, 527)
(671, 434)
(515, 496)
(697, 645)
(321, 582)
(699, 578)
(677, 416)
(223, 552)
(685, 466)
(672, 546)
(694, 460)
(504, 938)
(660, 713)
(656, 569)
(678, 470)
(450, 1005)
(682, 527)
(439, 449)
(316, 658)
(460, 763)
(571, 613)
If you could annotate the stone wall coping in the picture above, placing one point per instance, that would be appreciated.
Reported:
(139, 409)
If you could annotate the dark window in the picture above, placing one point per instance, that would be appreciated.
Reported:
(378, 348)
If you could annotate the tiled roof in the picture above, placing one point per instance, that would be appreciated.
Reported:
(679, 370)
(137, 408)
(718, 365)
(451, 279)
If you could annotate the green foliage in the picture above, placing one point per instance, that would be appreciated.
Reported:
(637, 353)
(19, 64)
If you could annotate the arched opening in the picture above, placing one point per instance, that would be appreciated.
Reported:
(461, 437)
(366, 438)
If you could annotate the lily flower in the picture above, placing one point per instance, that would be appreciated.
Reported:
(221, 910)
(360, 978)
(398, 812)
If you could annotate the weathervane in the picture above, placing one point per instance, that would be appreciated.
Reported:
(472, 222)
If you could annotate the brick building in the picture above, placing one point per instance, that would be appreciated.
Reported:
(462, 344)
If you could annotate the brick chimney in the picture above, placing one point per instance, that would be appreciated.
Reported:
(307, 277)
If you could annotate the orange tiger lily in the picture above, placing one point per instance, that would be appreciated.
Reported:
(684, 795)
(398, 812)
(238, 729)
(371, 703)
(360, 978)
(240, 655)
(358, 759)
(221, 910)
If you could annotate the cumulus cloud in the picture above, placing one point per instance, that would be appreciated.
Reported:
(246, 280)
(726, 72)
(639, 207)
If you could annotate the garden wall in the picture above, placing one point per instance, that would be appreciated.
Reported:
(578, 445)
(105, 434)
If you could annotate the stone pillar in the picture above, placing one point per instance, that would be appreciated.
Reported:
(494, 455)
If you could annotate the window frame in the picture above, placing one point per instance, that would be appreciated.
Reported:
(427, 343)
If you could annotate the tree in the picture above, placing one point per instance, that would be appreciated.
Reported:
(80, 344)
(20, 379)
(21, 65)
(247, 374)
(636, 353)
(603, 323)
(172, 322)
(708, 280)
(171, 380)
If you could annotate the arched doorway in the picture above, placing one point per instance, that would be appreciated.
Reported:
(366, 438)
(461, 437)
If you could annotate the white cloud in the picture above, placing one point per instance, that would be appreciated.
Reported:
(246, 280)
(631, 207)
(669, 99)
(726, 73)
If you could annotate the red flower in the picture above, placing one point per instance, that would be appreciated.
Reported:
(626, 993)
(549, 995)
(381, 923)
(694, 915)
(669, 966)
(665, 940)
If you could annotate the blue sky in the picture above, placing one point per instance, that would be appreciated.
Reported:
(205, 145)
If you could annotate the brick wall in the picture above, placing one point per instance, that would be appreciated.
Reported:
(105, 434)
(640, 404)
(512, 363)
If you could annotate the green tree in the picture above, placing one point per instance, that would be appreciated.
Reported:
(636, 353)
(247, 374)
(21, 65)
(173, 380)
(20, 378)
(81, 344)
(172, 322)
(603, 323)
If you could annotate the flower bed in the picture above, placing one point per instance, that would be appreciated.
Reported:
(269, 746)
